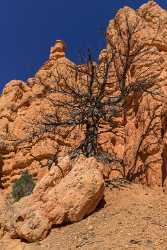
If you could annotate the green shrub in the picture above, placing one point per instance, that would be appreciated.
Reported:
(23, 186)
(4, 93)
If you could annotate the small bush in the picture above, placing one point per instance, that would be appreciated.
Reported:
(4, 92)
(23, 186)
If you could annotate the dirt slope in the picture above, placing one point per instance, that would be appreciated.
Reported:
(133, 217)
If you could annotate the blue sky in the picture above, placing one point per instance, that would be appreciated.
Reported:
(30, 27)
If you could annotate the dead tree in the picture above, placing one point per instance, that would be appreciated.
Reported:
(97, 94)
(93, 96)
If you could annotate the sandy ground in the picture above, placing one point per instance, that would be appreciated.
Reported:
(132, 217)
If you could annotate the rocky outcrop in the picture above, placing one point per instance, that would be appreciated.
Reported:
(62, 196)
(22, 106)
(138, 142)
(67, 190)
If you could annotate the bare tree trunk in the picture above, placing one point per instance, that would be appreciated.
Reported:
(89, 146)
(1, 166)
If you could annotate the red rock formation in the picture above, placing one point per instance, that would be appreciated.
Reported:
(140, 142)
(21, 107)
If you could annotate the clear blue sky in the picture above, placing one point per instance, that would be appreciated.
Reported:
(29, 28)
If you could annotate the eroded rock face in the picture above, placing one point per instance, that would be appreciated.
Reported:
(56, 200)
(139, 142)
(22, 106)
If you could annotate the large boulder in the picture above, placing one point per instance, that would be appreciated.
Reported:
(81, 191)
(57, 200)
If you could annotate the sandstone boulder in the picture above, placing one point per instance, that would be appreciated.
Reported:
(81, 190)
(57, 199)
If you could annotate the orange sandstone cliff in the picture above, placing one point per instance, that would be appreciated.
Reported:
(140, 141)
